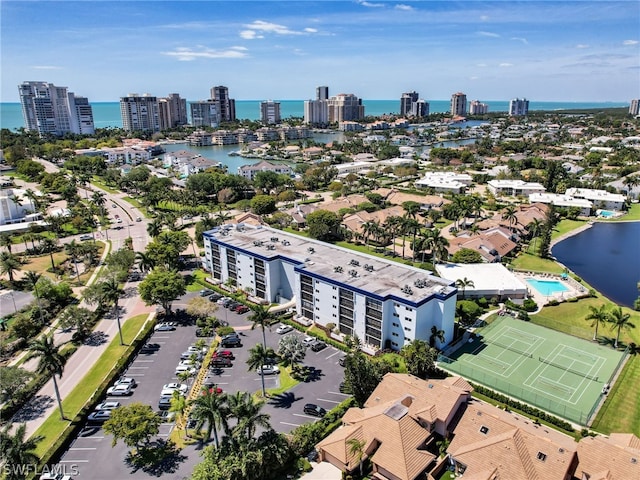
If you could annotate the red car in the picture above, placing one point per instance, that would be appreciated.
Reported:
(242, 309)
(224, 354)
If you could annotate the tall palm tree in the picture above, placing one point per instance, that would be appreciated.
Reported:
(260, 316)
(534, 228)
(72, 249)
(463, 283)
(5, 241)
(367, 229)
(211, 407)
(32, 279)
(110, 291)
(179, 404)
(248, 414)
(49, 245)
(99, 200)
(356, 447)
(9, 264)
(145, 262)
(222, 216)
(17, 450)
(619, 320)
(438, 245)
(600, 316)
(258, 356)
(154, 228)
(49, 361)
(436, 334)
(509, 214)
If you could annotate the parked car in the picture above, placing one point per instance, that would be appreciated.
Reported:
(120, 390)
(150, 348)
(166, 416)
(189, 363)
(284, 328)
(164, 403)
(342, 361)
(220, 362)
(224, 354)
(231, 342)
(214, 297)
(233, 305)
(187, 355)
(138, 219)
(168, 392)
(268, 370)
(242, 309)
(165, 327)
(308, 341)
(205, 292)
(185, 369)
(99, 416)
(223, 300)
(127, 381)
(181, 387)
(315, 410)
(344, 388)
(107, 406)
(318, 345)
(86, 236)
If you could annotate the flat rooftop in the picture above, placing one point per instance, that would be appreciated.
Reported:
(372, 274)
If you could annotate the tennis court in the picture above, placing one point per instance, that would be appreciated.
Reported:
(555, 372)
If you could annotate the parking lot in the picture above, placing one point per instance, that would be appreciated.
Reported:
(91, 453)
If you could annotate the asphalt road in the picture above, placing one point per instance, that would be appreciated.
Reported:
(12, 301)
(92, 456)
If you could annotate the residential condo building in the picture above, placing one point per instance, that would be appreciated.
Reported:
(634, 108)
(270, 112)
(204, 113)
(140, 112)
(227, 106)
(458, 104)
(51, 110)
(316, 112)
(478, 108)
(384, 303)
(518, 107)
(413, 106)
(172, 111)
(345, 107)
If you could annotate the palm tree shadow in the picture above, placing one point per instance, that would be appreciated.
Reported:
(33, 409)
(283, 400)
(157, 458)
(606, 341)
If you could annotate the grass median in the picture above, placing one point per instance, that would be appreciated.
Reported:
(53, 428)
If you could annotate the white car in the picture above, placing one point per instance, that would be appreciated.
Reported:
(283, 328)
(307, 341)
(107, 406)
(126, 381)
(194, 349)
(268, 370)
(119, 390)
(168, 392)
(185, 369)
(164, 327)
(100, 416)
(188, 363)
(181, 387)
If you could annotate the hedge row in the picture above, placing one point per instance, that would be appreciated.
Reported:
(524, 408)
(304, 328)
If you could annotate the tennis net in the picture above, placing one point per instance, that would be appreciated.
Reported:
(562, 367)
(513, 349)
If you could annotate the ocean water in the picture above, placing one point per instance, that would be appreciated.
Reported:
(107, 114)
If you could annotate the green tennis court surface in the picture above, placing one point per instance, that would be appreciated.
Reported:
(553, 371)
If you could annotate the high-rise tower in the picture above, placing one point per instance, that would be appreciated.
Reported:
(227, 106)
(458, 104)
(519, 107)
(140, 112)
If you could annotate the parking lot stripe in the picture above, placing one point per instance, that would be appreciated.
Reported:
(333, 355)
(291, 424)
(83, 448)
(145, 361)
(326, 400)
(134, 366)
(340, 393)
(74, 461)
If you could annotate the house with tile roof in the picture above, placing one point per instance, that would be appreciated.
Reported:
(614, 457)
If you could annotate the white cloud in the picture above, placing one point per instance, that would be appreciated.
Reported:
(520, 39)
(488, 34)
(582, 45)
(484, 18)
(481, 65)
(407, 8)
(185, 54)
(255, 28)
(505, 64)
(474, 77)
(250, 34)
(311, 30)
(630, 42)
(46, 67)
(371, 5)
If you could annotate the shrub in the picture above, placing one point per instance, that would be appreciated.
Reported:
(222, 331)
(530, 305)
(553, 302)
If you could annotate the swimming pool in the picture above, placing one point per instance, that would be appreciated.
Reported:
(606, 213)
(547, 287)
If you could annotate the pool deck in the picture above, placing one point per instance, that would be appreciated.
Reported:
(574, 289)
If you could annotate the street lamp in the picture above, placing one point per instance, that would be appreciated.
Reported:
(15, 309)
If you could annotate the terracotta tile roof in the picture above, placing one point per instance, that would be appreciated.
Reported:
(397, 198)
(489, 440)
(610, 458)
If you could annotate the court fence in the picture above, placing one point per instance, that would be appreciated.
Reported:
(561, 409)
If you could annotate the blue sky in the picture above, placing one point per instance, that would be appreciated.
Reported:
(544, 51)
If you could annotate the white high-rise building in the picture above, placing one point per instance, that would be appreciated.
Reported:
(345, 107)
(634, 108)
(172, 111)
(140, 112)
(227, 106)
(270, 112)
(518, 107)
(51, 110)
(204, 113)
(458, 104)
(406, 102)
(316, 111)
(478, 108)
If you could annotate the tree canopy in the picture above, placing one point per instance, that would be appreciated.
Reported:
(162, 287)
(134, 424)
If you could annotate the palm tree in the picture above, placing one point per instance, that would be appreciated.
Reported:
(9, 264)
(247, 412)
(619, 320)
(50, 361)
(99, 199)
(17, 450)
(154, 227)
(72, 249)
(260, 316)
(145, 262)
(222, 216)
(463, 283)
(49, 245)
(110, 291)
(32, 279)
(534, 228)
(178, 403)
(368, 229)
(600, 316)
(436, 335)
(258, 356)
(438, 245)
(5, 241)
(211, 407)
(509, 214)
(356, 447)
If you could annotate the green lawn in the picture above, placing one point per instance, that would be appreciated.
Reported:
(632, 214)
(531, 262)
(566, 226)
(83, 394)
(97, 181)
